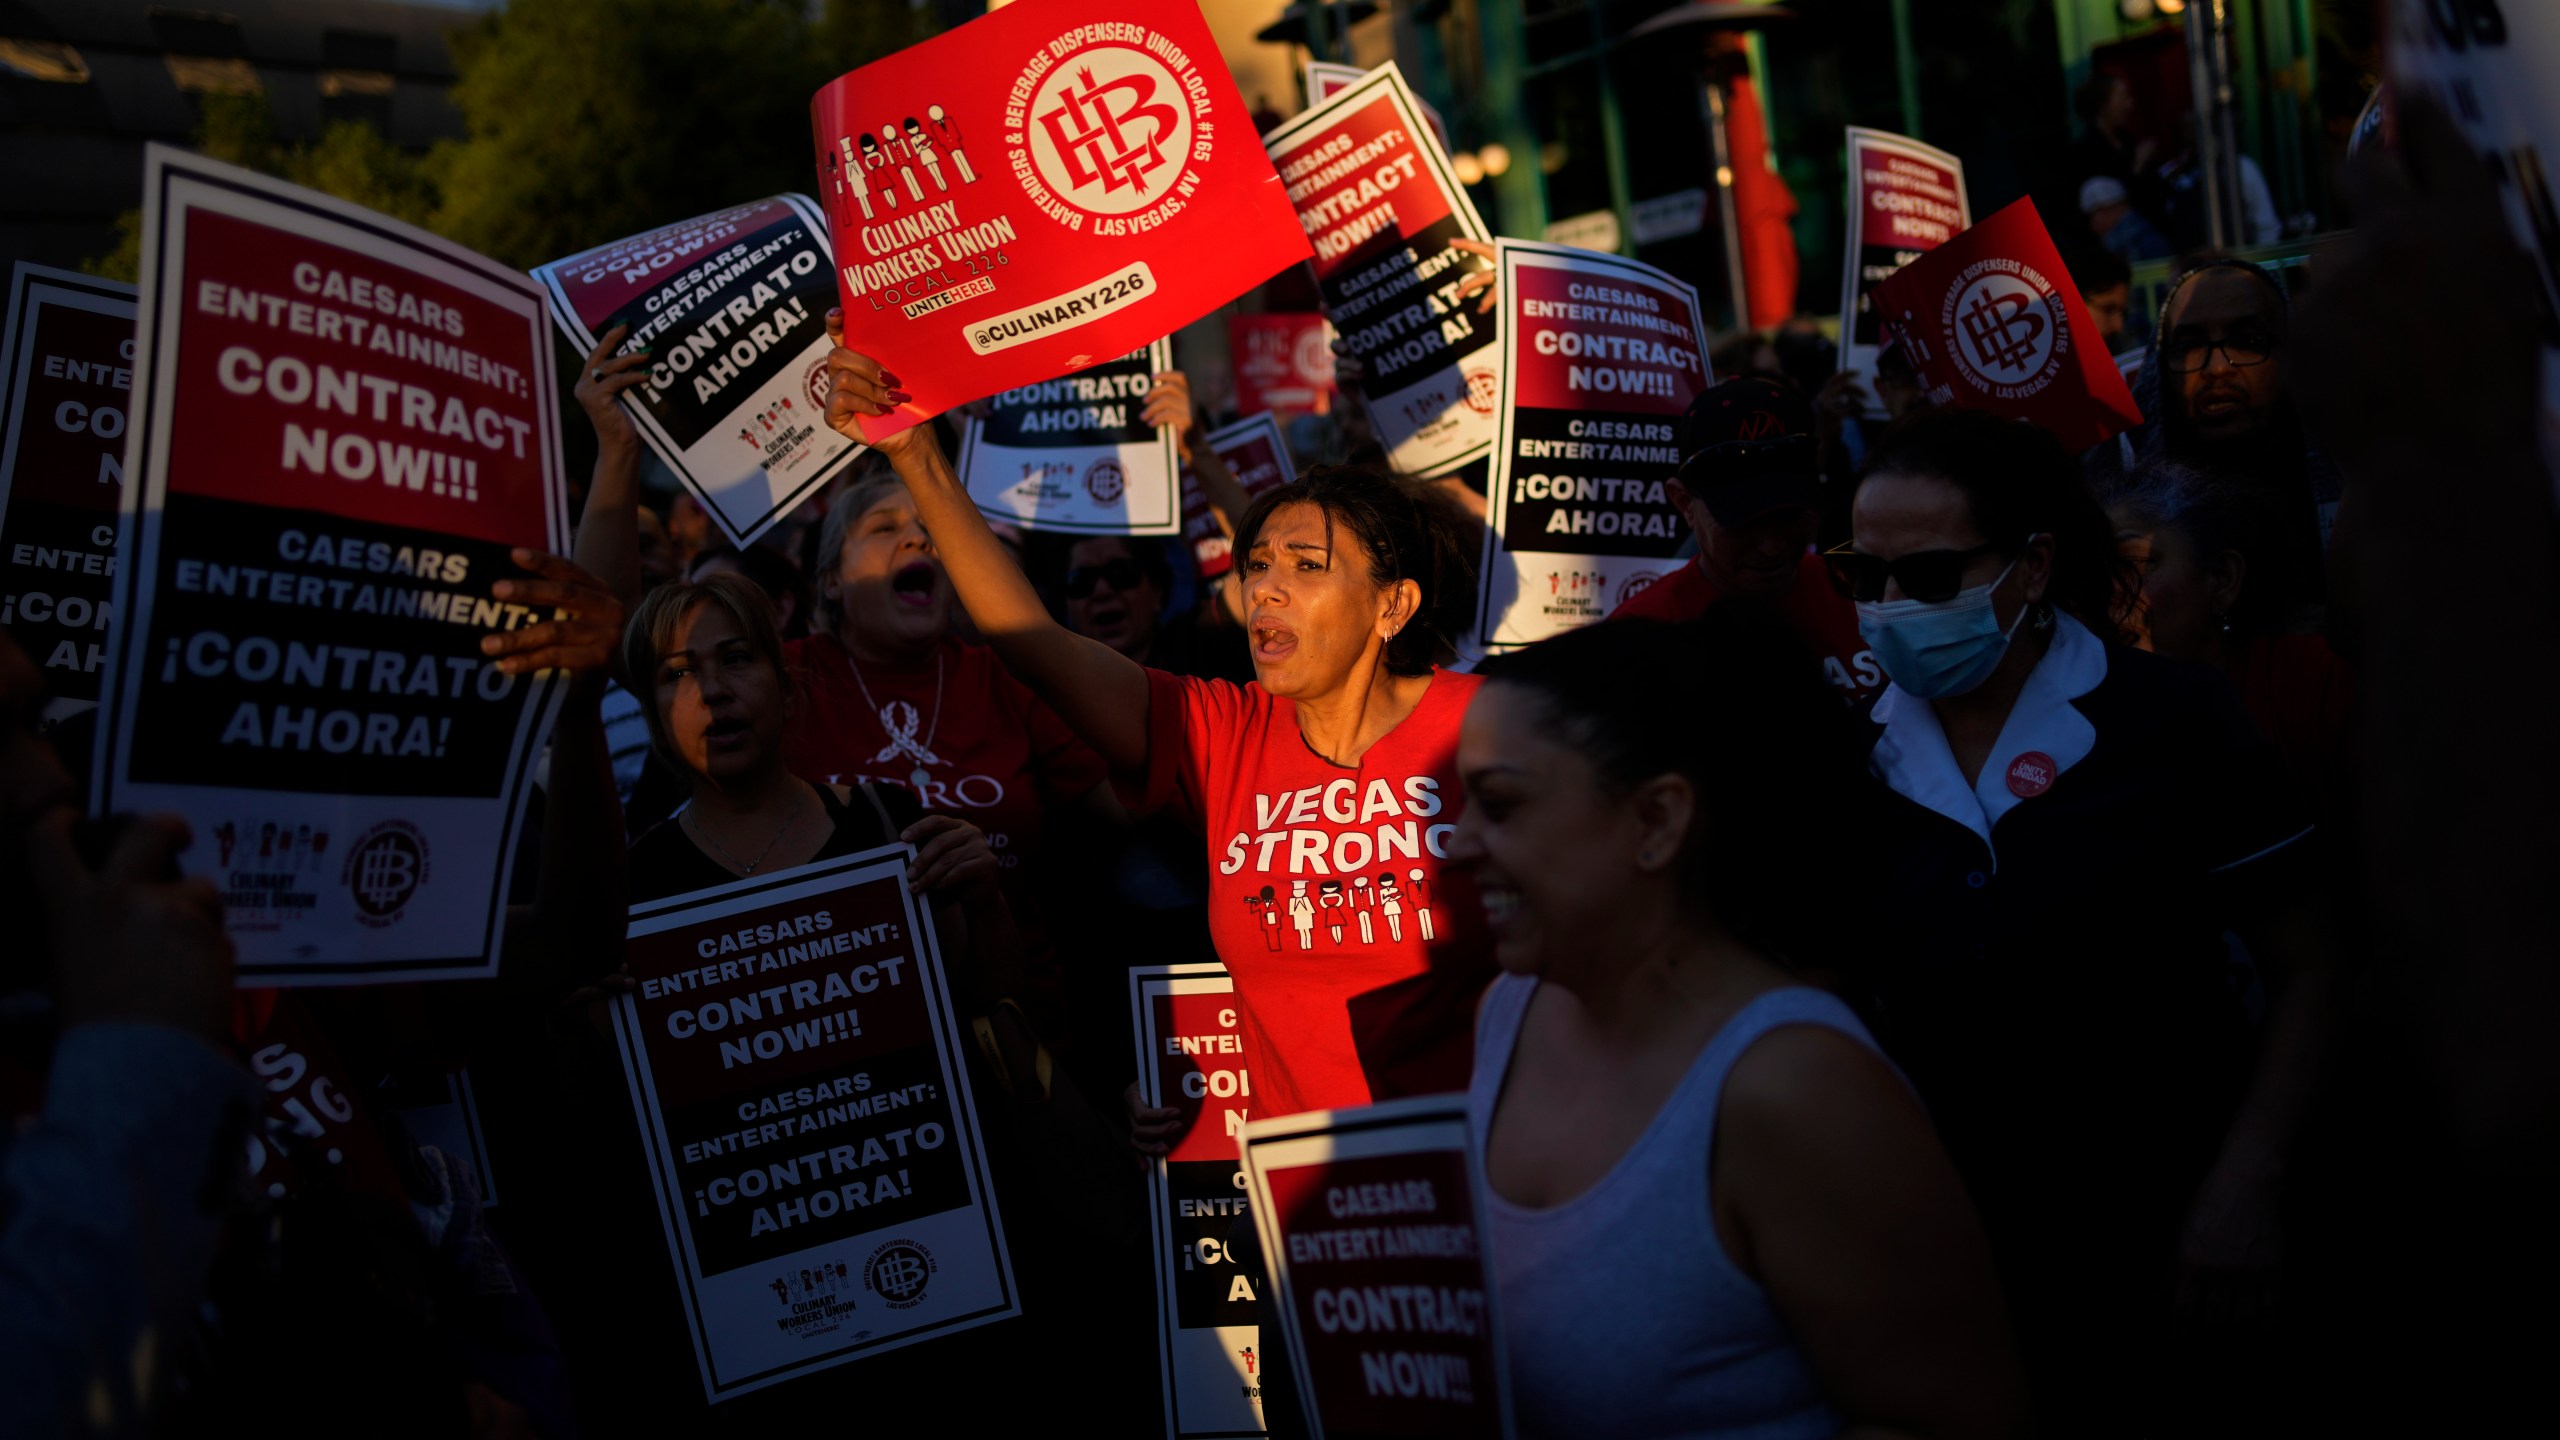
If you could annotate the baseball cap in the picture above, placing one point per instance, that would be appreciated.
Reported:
(1750, 450)
(2100, 191)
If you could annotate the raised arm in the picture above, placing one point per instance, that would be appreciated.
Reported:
(608, 543)
(1096, 689)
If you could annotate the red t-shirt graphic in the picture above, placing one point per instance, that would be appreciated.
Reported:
(1357, 957)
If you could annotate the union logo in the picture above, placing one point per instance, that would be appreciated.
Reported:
(2031, 774)
(819, 384)
(2005, 321)
(1484, 390)
(385, 867)
(1110, 129)
(1634, 585)
(898, 1273)
(1105, 482)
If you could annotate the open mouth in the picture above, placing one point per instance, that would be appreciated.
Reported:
(724, 731)
(1501, 904)
(2219, 402)
(1272, 641)
(914, 584)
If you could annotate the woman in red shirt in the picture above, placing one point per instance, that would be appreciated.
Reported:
(1327, 789)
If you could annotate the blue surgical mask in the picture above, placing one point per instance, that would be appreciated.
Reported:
(1934, 650)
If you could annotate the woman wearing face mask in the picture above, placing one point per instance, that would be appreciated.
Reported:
(1715, 1209)
(2072, 827)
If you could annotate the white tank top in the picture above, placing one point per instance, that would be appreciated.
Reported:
(1624, 1318)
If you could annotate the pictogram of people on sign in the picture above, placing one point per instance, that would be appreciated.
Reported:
(868, 166)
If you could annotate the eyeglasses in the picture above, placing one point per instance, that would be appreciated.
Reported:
(2186, 357)
(1929, 576)
(1123, 576)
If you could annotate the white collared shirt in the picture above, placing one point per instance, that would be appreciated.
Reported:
(2044, 736)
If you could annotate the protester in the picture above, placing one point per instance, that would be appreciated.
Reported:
(2117, 225)
(2105, 283)
(2073, 827)
(1353, 580)
(1754, 1231)
(888, 692)
(769, 570)
(1752, 494)
(2196, 545)
(113, 1194)
(2420, 356)
(2215, 398)
(2108, 145)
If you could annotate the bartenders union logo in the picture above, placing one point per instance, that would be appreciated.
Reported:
(898, 1273)
(1484, 390)
(819, 385)
(1105, 482)
(2007, 325)
(1634, 585)
(1103, 126)
(385, 867)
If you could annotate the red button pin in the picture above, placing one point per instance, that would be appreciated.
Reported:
(2031, 774)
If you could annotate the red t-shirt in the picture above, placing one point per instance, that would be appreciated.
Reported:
(1821, 614)
(985, 749)
(1357, 957)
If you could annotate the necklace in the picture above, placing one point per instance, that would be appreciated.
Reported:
(745, 866)
(902, 736)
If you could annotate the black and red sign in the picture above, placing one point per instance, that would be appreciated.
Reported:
(1602, 357)
(794, 1060)
(342, 426)
(68, 362)
(1371, 1224)
(1380, 203)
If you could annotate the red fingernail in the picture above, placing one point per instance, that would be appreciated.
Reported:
(890, 380)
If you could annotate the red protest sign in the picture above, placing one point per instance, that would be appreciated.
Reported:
(1378, 197)
(796, 1071)
(1044, 188)
(1371, 1226)
(1192, 1058)
(1905, 200)
(68, 357)
(1282, 362)
(1602, 356)
(341, 427)
(1992, 322)
(1257, 454)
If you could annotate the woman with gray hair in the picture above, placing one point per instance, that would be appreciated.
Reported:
(889, 692)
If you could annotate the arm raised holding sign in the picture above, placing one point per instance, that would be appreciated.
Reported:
(1100, 692)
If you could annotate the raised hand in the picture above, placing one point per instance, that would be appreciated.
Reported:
(860, 388)
(603, 381)
(583, 633)
(1168, 403)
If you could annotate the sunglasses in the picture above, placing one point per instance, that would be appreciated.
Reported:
(2184, 355)
(1928, 576)
(1123, 575)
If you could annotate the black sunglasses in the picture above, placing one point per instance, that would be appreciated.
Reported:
(1123, 574)
(1929, 576)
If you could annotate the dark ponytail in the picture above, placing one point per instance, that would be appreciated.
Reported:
(1734, 703)
(1407, 529)
(2018, 481)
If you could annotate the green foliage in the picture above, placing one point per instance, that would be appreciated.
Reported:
(350, 160)
(585, 120)
(592, 119)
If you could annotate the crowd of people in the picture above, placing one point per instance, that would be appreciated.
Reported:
(1926, 966)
